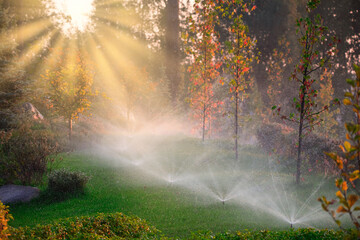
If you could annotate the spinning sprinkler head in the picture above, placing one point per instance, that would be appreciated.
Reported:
(223, 202)
(291, 225)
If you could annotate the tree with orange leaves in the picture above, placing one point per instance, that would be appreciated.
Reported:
(348, 163)
(70, 89)
(238, 57)
(202, 46)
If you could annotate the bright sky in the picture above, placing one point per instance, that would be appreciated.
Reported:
(71, 15)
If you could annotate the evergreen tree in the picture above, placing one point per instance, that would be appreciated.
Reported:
(12, 81)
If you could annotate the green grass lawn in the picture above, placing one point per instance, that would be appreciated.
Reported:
(174, 210)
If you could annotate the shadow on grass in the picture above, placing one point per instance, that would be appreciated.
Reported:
(48, 197)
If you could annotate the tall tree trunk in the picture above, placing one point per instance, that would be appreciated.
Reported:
(205, 93)
(236, 124)
(300, 137)
(209, 131)
(204, 122)
(302, 106)
(298, 162)
(237, 101)
(358, 122)
(70, 128)
(172, 43)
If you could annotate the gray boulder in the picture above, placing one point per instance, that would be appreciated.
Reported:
(16, 193)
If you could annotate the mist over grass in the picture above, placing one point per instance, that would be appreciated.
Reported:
(209, 170)
(180, 185)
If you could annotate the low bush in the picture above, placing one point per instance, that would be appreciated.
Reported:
(4, 218)
(303, 233)
(281, 140)
(24, 155)
(63, 181)
(120, 226)
(101, 226)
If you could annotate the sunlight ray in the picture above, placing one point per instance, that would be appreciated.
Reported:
(56, 50)
(110, 4)
(133, 47)
(33, 41)
(107, 3)
(118, 17)
(23, 35)
(71, 51)
(32, 50)
(103, 67)
(39, 64)
(29, 31)
(113, 52)
(49, 62)
(124, 69)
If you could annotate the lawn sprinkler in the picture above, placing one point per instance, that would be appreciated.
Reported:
(291, 225)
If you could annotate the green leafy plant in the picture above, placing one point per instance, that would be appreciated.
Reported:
(63, 181)
(348, 162)
(100, 226)
(265, 234)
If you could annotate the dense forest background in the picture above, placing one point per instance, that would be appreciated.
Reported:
(140, 62)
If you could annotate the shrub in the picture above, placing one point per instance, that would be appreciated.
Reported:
(4, 218)
(305, 233)
(280, 140)
(101, 226)
(24, 155)
(63, 181)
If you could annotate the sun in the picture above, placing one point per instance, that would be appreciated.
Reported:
(71, 16)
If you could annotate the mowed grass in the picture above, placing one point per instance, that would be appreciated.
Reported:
(174, 210)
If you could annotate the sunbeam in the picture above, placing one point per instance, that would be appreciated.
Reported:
(71, 17)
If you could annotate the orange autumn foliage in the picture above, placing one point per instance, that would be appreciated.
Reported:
(4, 219)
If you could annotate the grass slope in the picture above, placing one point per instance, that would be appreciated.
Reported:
(173, 210)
